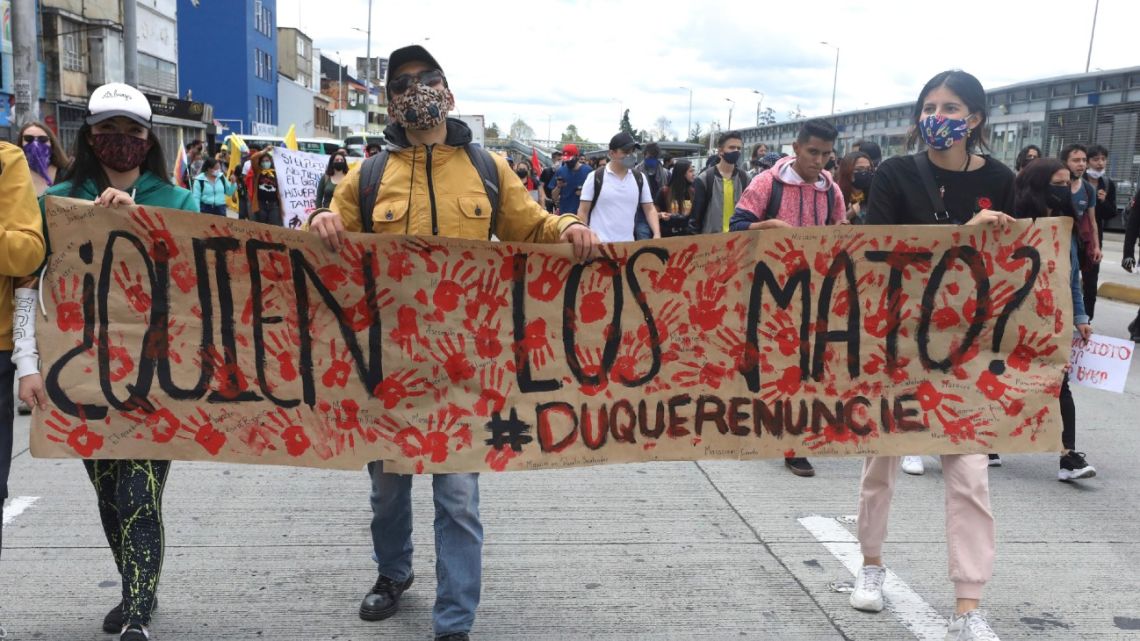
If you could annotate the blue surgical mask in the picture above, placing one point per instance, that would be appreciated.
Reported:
(940, 132)
(651, 163)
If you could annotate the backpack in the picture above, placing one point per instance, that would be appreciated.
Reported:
(777, 194)
(372, 172)
(601, 171)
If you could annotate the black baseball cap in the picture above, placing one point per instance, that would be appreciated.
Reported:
(623, 140)
(404, 55)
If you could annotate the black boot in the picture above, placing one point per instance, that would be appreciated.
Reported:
(135, 632)
(1134, 329)
(384, 599)
(113, 622)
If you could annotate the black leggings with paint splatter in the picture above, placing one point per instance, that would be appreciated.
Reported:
(130, 506)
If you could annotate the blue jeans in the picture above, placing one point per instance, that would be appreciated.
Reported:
(458, 541)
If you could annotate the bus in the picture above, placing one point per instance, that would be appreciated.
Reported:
(326, 146)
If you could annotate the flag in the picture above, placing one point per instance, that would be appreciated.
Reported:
(536, 168)
(236, 144)
(291, 138)
(181, 163)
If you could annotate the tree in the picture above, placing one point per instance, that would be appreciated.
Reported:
(798, 114)
(768, 116)
(571, 134)
(662, 128)
(492, 132)
(521, 131)
(695, 133)
(625, 125)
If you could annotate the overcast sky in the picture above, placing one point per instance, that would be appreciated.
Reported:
(561, 62)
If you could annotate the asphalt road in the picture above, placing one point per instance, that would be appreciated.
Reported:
(708, 550)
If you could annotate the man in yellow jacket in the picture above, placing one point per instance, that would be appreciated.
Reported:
(431, 187)
(21, 252)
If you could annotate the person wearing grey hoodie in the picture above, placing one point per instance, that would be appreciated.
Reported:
(715, 185)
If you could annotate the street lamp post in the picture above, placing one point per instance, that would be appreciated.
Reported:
(1092, 35)
(758, 105)
(730, 106)
(835, 81)
(689, 129)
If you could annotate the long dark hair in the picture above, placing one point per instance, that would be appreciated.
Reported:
(59, 157)
(1021, 160)
(966, 87)
(1031, 186)
(332, 159)
(85, 166)
(679, 189)
(847, 173)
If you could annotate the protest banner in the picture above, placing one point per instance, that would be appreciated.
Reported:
(298, 173)
(1102, 362)
(174, 336)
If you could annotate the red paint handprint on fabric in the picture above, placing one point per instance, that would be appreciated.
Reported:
(163, 246)
(400, 385)
(593, 307)
(280, 348)
(957, 428)
(340, 368)
(132, 286)
(677, 270)
(453, 357)
(487, 340)
(551, 278)
(536, 343)
(205, 434)
(705, 307)
(488, 294)
(590, 361)
(1029, 347)
(495, 386)
(77, 436)
(407, 335)
(297, 442)
(68, 310)
(787, 253)
(449, 290)
(184, 276)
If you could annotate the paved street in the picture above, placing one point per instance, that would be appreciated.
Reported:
(709, 550)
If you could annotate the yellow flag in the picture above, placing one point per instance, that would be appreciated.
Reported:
(236, 144)
(291, 138)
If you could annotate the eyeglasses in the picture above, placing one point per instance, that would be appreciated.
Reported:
(29, 139)
(403, 82)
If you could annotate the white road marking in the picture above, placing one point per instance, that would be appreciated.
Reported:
(916, 614)
(16, 507)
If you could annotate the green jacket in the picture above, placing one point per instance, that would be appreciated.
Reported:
(148, 190)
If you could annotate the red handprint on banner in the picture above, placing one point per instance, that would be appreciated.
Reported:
(205, 434)
(677, 270)
(449, 290)
(536, 343)
(551, 278)
(400, 385)
(487, 339)
(495, 385)
(407, 335)
(163, 246)
(705, 307)
(280, 348)
(132, 286)
(1029, 347)
(452, 355)
(77, 436)
(297, 442)
(489, 294)
(791, 256)
(68, 311)
(340, 368)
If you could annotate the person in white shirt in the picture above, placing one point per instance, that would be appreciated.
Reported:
(612, 195)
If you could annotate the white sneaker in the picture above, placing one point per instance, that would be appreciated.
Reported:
(868, 594)
(971, 626)
(913, 465)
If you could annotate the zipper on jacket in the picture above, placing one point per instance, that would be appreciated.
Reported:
(431, 194)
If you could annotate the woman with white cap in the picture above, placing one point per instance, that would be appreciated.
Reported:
(119, 161)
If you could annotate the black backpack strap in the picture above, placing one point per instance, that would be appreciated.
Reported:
(598, 174)
(371, 173)
(926, 173)
(775, 198)
(489, 176)
(638, 178)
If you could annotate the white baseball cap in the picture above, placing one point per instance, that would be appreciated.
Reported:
(117, 99)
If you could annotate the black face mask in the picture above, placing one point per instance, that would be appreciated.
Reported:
(1059, 198)
(861, 180)
(340, 166)
(522, 173)
(573, 162)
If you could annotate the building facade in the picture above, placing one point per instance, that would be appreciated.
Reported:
(228, 55)
(1100, 107)
(300, 100)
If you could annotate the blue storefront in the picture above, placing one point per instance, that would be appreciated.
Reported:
(227, 54)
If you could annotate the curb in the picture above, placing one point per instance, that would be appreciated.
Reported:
(1118, 292)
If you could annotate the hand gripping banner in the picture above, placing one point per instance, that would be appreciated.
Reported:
(178, 336)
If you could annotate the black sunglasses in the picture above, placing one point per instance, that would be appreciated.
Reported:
(29, 139)
(403, 82)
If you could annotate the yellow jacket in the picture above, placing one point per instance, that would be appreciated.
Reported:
(21, 232)
(420, 185)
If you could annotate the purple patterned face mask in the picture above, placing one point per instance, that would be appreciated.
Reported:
(39, 158)
(940, 132)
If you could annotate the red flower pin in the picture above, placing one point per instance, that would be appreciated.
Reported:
(984, 203)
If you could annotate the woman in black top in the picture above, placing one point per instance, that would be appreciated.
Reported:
(335, 172)
(950, 118)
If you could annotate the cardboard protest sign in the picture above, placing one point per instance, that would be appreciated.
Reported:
(298, 173)
(1101, 363)
(176, 336)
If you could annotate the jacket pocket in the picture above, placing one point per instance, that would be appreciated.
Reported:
(474, 218)
(390, 217)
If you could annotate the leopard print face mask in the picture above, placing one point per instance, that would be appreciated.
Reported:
(421, 107)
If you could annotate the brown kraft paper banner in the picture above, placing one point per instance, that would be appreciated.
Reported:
(181, 336)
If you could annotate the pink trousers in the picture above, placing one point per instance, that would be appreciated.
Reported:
(970, 533)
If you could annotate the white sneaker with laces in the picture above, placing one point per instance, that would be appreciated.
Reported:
(868, 594)
(913, 465)
(971, 626)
